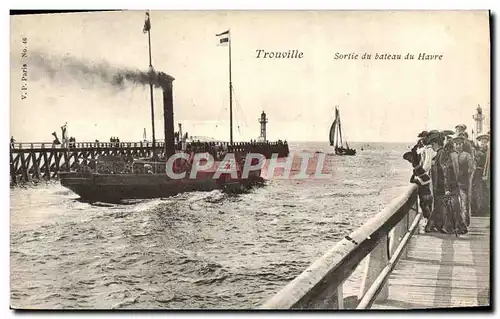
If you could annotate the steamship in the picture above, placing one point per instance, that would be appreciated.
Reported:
(114, 180)
(147, 178)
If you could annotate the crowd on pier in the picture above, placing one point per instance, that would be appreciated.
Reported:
(453, 177)
(71, 141)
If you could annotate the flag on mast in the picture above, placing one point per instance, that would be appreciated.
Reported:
(223, 37)
(147, 24)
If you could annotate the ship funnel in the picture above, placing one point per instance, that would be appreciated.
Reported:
(168, 113)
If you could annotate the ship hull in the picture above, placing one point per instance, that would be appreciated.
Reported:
(114, 188)
(345, 152)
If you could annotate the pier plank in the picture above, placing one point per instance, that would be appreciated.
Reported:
(443, 271)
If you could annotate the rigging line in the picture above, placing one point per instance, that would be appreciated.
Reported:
(220, 113)
(242, 114)
(239, 126)
(239, 107)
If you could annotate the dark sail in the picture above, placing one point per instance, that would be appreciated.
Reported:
(332, 131)
(337, 115)
(336, 129)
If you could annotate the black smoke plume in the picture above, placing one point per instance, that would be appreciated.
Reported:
(89, 72)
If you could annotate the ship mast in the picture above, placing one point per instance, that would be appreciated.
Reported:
(230, 95)
(147, 28)
(225, 37)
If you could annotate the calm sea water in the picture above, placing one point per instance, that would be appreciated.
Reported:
(196, 250)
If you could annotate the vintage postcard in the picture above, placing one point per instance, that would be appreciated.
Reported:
(250, 160)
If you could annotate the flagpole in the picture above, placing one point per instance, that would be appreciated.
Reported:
(230, 95)
(151, 89)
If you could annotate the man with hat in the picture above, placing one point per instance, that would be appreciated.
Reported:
(460, 128)
(483, 141)
(480, 186)
(465, 170)
(448, 139)
(468, 146)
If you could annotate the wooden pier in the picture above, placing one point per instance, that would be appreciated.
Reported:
(43, 161)
(442, 271)
(404, 267)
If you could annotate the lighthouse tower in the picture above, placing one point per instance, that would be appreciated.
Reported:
(479, 117)
(263, 122)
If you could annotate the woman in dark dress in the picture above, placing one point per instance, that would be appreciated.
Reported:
(465, 170)
(447, 216)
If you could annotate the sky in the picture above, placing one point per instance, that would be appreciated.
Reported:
(379, 100)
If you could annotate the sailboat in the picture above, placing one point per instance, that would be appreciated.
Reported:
(114, 180)
(336, 137)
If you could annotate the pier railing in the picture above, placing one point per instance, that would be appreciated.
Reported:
(79, 145)
(383, 240)
(45, 145)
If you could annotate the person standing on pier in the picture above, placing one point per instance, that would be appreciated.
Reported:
(64, 135)
(460, 129)
(12, 141)
(468, 145)
(421, 157)
(447, 216)
(465, 171)
(72, 142)
(480, 186)
(56, 141)
(448, 140)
